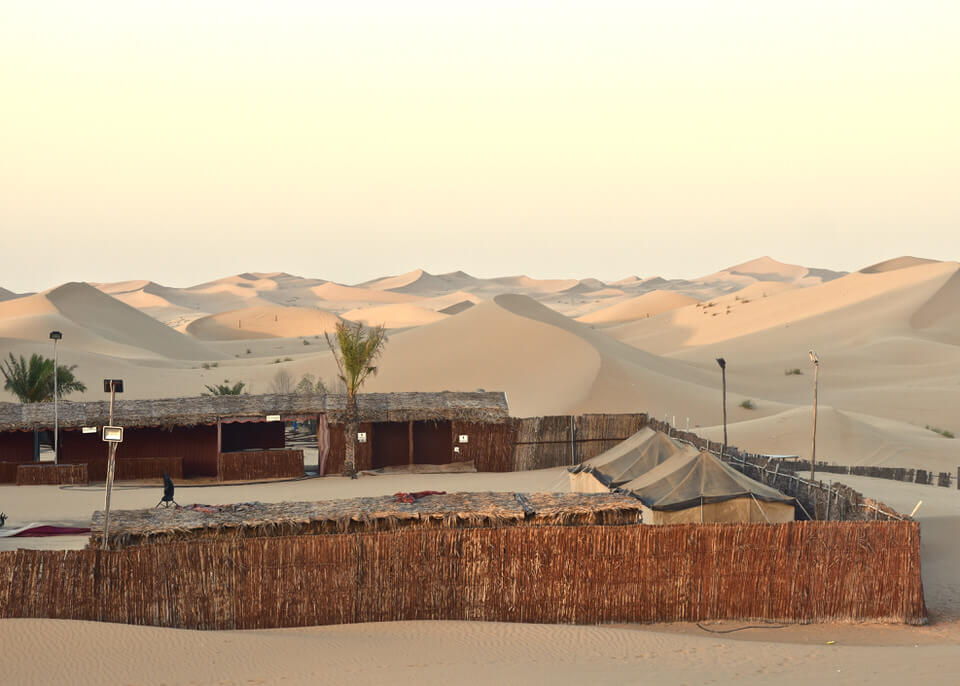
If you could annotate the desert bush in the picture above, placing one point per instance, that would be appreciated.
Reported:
(943, 432)
(793, 372)
(748, 405)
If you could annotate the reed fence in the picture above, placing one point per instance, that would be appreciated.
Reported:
(51, 474)
(562, 440)
(796, 572)
(260, 464)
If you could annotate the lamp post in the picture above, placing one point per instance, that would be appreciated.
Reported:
(815, 359)
(56, 336)
(111, 435)
(723, 371)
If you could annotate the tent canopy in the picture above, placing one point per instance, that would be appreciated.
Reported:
(633, 457)
(689, 479)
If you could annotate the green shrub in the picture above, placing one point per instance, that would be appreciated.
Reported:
(793, 372)
(943, 432)
(748, 405)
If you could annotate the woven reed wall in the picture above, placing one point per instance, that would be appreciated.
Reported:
(133, 468)
(562, 440)
(364, 452)
(260, 464)
(51, 474)
(796, 572)
(490, 446)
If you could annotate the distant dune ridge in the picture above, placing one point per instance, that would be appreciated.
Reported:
(263, 321)
(888, 336)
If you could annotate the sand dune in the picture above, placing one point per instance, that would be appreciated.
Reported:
(525, 284)
(338, 293)
(401, 315)
(441, 302)
(96, 322)
(264, 321)
(842, 438)
(457, 307)
(896, 263)
(646, 305)
(853, 302)
(420, 282)
(7, 295)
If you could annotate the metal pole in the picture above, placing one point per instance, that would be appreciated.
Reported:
(56, 408)
(813, 446)
(111, 457)
(723, 371)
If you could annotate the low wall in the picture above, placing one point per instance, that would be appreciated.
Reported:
(260, 464)
(51, 474)
(8, 472)
(134, 468)
(796, 572)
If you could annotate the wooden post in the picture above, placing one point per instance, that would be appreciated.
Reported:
(410, 441)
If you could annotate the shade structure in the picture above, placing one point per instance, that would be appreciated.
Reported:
(700, 480)
(626, 461)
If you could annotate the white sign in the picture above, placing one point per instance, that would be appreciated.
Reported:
(463, 438)
(273, 418)
(362, 437)
(89, 430)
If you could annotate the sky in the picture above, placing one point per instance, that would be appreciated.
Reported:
(184, 141)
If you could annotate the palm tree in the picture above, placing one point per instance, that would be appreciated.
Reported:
(356, 349)
(225, 388)
(32, 382)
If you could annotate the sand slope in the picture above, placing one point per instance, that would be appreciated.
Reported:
(646, 305)
(843, 437)
(264, 321)
(96, 322)
(397, 316)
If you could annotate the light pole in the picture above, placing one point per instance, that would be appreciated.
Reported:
(815, 359)
(111, 435)
(56, 336)
(723, 372)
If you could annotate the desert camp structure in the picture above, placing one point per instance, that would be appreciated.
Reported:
(679, 484)
(242, 437)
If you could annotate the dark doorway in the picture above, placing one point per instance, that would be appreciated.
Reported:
(432, 442)
(391, 444)
(236, 436)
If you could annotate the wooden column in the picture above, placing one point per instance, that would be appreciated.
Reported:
(410, 441)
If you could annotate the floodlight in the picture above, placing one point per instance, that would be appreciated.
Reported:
(113, 434)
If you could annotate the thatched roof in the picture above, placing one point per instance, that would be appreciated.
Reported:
(454, 510)
(168, 412)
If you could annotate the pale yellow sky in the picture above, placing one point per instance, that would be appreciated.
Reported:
(181, 141)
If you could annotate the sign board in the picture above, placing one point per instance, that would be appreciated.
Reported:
(89, 430)
(273, 418)
(362, 437)
(113, 434)
(116, 383)
(463, 438)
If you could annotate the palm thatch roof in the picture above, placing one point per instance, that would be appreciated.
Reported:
(168, 412)
(381, 513)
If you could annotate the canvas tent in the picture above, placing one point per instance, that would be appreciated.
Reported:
(628, 460)
(697, 487)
